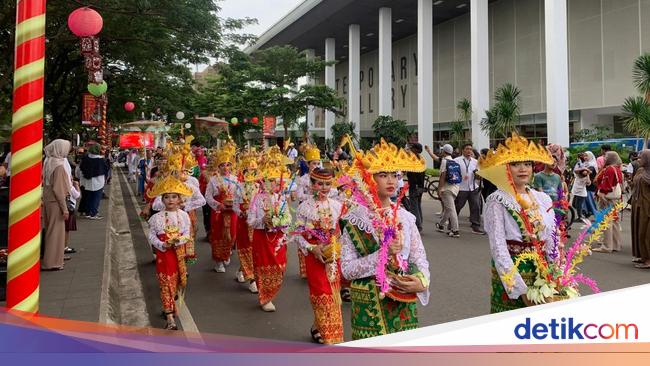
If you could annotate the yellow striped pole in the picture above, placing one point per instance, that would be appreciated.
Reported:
(26, 155)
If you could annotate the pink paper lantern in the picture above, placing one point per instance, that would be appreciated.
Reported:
(129, 106)
(85, 22)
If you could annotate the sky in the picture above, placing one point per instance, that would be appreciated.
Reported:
(267, 13)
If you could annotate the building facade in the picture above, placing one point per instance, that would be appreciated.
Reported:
(416, 59)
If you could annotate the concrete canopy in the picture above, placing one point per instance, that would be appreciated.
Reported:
(307, 26)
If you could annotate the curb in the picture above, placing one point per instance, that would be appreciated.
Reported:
(122, 299)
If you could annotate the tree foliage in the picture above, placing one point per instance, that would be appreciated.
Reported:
(503, 117)
(392, 130)
(147, 47)
(641, 75)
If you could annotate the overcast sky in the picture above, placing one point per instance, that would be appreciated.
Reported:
(267, 12)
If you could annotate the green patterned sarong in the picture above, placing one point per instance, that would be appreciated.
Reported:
(499, 300)
(372, 316)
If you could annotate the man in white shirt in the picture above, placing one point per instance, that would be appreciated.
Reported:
(448, 190)
(470, 189)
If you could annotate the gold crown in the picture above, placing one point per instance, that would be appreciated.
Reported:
(226, 154)
(516, 148)
(248, 166)
(386, 157)
(312, 153)
(169, 184)
(274, 164)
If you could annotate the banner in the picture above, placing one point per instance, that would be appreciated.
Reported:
(91, 113)
(136, 140)
(269, 126)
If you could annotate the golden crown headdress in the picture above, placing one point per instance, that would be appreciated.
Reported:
(386, 157)
(226, 154)
(494, 165)
(312, 152)
(248, 166)
(169, 184)
(274, 164)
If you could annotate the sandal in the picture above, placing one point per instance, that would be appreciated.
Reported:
(171, 325)
(345, 295)
(316, 336)
(638, 260)
(642, 266)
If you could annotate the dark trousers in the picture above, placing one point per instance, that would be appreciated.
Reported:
(416, 209)
(206, 218)
(578, 204)
(94, 198)
(474, 199)
(82, 207)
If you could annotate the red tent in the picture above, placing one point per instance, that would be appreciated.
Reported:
(136, 140)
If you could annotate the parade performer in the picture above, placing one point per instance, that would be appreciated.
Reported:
(516, 218)
(221, 194)
(249, 181)
(317, 235)
(381, 247)
(169, 231)
(304, 189)
(269, 217)
(180, 159)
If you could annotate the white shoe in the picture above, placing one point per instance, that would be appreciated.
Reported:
(253, 287)
(219, 268)
(240, 277)
(268, 307)
(227, 262)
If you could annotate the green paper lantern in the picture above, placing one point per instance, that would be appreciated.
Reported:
(97, 89)
(234, 121)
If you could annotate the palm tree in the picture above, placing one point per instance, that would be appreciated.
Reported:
(464, 107)
(641, 75)
(637, 120)
(501, 120)
(507, 107)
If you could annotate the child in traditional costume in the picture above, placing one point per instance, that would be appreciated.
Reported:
(517, 219)
(169, 231)
(181, 158)
(317, 234)
(249, 182)
(221, 194)
(382, 251)
(269, 217)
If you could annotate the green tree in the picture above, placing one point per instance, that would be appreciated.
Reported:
(641, 75)
(392, 130)
(340, 129)
(276, 72)
(463, 123)
(147, 47)
(503, 117)
(637, 119)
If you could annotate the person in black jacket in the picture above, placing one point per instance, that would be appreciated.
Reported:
(416, 188)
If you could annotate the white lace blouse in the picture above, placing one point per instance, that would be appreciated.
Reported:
(191, 203)
(354, 266)
(261, 200)
(500, 227)
(157, 225)
(307, 213)
(214, 188)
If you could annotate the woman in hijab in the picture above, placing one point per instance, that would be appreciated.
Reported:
(641, 213)
(609, 182)
(57, 185)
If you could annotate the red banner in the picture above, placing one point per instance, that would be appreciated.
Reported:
(91, 113)
(269, 126)
(136, 140)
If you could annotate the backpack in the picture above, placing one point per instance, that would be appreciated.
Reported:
(454, 175)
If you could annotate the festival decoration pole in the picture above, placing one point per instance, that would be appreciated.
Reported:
(26, 155)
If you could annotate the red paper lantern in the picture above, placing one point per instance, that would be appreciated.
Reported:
(129, 106)
(255, 120)
(85, 22)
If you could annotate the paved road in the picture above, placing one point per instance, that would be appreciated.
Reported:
(460, 283)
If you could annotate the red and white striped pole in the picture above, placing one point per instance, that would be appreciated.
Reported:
(26, 155)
